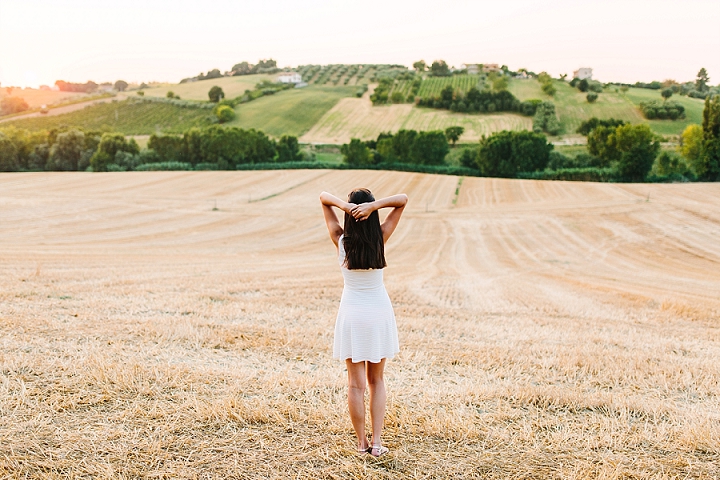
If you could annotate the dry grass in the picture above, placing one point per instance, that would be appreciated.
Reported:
(357, 118)
(548, 330)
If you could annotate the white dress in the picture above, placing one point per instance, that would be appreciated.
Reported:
(365, 329)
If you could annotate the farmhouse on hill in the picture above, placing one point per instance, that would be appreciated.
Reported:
(472, 68)
(289, 77)
(491, 67)
(583, 73)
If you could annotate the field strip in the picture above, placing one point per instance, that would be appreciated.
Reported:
(547, 329)
(358, 118)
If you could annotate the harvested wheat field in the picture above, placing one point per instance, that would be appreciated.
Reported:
(358, 118)
(179, 325)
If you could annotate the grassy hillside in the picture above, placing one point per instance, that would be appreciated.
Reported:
(693, 110)
(128, 117)
(572, 106)
(357, 118)
(232, 86)
(290, 112)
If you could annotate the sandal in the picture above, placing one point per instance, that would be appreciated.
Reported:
(361, 451)
(379, 449)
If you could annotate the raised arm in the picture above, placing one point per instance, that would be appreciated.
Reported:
(329, 201)
(396, 202)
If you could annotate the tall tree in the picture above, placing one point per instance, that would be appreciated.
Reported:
(453, 134)
(702, 80)
(429, 148)
(356, 153)
(439, 68)
(666, 93)
(638, 146)
(507, 153)
(216, 94)
(121, 85)
(711, 138)
(67, 151)
(420, 66)
(691, 147)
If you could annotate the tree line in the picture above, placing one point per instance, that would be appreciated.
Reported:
(75, 149)
(503, 154)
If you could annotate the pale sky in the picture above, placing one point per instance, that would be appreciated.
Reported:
(78, 40)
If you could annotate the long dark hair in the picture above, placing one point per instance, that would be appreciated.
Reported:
(363, 241)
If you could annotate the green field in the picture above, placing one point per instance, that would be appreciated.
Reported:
(128, 117)
(572, 106)
(331, 114)
(232, 87)
(432, 86)
(290, 112)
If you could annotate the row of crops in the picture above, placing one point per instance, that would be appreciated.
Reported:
(432, 86)
(406, 87)
(399, 85)
(349, 74)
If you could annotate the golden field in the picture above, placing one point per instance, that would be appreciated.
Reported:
(179, 325)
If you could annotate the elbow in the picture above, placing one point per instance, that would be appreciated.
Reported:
(404, 199)
(322, 196)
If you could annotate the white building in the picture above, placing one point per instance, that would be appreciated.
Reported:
(472, 68)
(289, 77)
(583, 73)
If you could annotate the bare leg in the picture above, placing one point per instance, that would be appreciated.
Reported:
(356, 400)
(378, 398)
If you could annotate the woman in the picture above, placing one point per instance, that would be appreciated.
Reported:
(365, 330)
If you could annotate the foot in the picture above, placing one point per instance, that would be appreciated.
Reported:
(362, 449)
(378, 450)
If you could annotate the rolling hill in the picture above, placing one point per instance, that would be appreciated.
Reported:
(327, 111)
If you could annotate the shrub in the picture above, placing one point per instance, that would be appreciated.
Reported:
(225, 114)
(588, 125)
(590, 174)
(662, 110)
(529, 107)
(397, 97)
(669, 164)
(558, 161)
(162, 166)
(595, 86)
(591, 97)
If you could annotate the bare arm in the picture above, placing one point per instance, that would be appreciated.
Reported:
(396, 202)
(329, 201)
